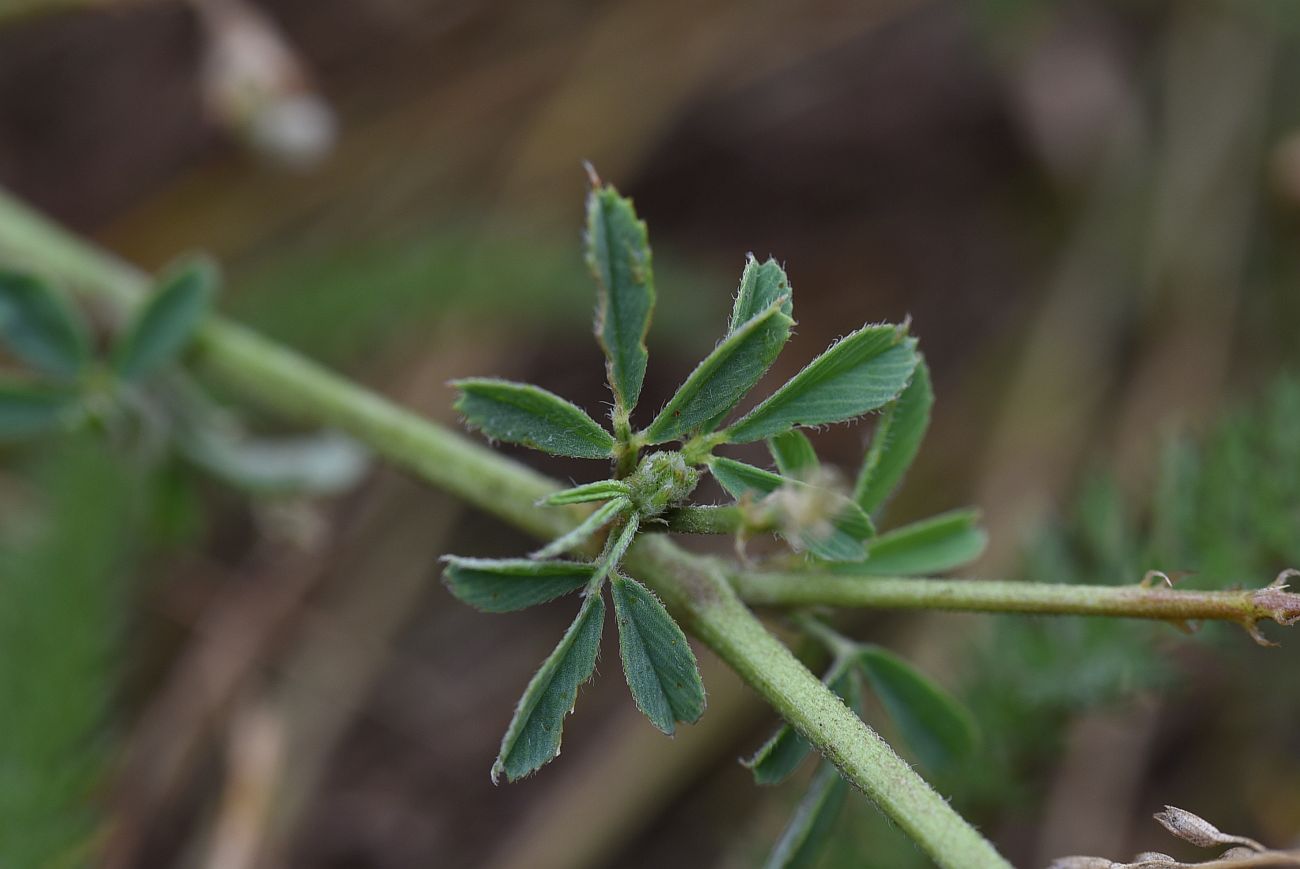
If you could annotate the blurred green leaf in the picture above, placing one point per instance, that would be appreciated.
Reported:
(600, 490)
(167, 321)
(64, 598)
(896, 441)
(28, 410)
(825, 523)
(40, 328)
(618, 254)
(929, 546)
(519, 413)
(724, 377)
(658, 662)
(533, 737)
(794, 454)
(863, 371)
(933, 723)
(502, 586)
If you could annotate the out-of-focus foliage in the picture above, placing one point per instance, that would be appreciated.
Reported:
(62, 600)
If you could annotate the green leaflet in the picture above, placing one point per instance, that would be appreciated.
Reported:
(725, 375)
(519, 413)
(658, 662)
(896, 441)
(806, 836)
(862, 372)
(533, 737)
(781, 755)
(926, 547)
(794, 454)
(601, 490)
(618, 254)
(761, 284)
(27, 410)
(40, 328)
(506, 585)
(167, 321)
(827, 524)
(937, 727)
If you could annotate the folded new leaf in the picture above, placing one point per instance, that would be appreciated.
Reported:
(618, 254)
(658, 662)
(533, 737)
(39, 328)
(725, 375)
(28, 410)
(863, 371)
(506, 585)
(826, 524)
(519, 413)
(936, 726)
(167, 321)
(925, 547)
(601, 490)
(781, 755)
(896, 440)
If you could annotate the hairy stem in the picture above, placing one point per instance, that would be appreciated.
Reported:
(1245, 607)
(290, 384)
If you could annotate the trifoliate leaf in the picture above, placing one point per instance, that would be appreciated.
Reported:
(658, 662)
(533, 737)
(934, 724)
(926, 547)
(895, 443)
(28, 410)
(794, 454)
(724, 377)
(40, 328)
(785, 749)
(618, 254)
(601, 490)
(603, 515)
(506, 585)
(823, 522)
(165, 323)
(863, 371)
(519, 413)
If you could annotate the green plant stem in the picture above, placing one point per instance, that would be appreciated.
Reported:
(701, 520)
(290, 384)
(1245, 607)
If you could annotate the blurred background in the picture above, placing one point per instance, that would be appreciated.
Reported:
(1089, 211)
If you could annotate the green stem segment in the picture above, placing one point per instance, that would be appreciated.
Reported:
(290, 384)
(1245, 607)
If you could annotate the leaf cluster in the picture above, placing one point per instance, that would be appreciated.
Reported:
(135, 386)
(655, 469)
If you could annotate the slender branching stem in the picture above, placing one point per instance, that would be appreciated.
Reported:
(292, 385)
(1245, 607)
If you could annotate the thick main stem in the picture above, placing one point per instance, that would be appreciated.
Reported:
(288, 383)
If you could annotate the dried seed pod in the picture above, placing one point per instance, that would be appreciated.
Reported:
(1198, 831)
